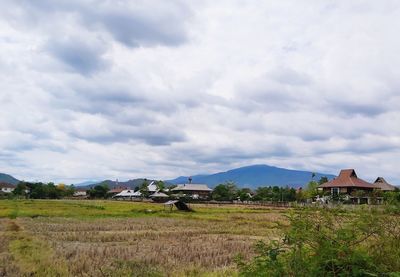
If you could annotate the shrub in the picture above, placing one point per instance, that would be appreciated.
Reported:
(331, 243)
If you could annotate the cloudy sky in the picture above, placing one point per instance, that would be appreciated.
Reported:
(94, 89)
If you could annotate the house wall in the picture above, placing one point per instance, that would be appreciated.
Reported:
(7, 190)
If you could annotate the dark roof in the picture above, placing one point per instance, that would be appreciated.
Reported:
(381, 183)
(6, 185)
(117, 190)
(191, 187)
(347, 178)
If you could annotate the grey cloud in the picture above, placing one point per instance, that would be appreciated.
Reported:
(78, 54)
(136, 30)
(143, 23)
(150, 135)
(352, 109)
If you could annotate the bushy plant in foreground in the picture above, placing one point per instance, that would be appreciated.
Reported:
(331, 243)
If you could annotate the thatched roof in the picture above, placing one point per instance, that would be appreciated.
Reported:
(347, 178)
(159, 194)
(7, 185)
(191, 187)
(381, 183)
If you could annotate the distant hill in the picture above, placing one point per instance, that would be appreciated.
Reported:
(256, 175)
(86, 183)
(8, 179)
(111, 184)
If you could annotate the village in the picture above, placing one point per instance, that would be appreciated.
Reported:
(346, 188)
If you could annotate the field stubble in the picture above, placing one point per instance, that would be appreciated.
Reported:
(163, 244)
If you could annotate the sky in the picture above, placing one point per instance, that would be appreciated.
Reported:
(107, 89)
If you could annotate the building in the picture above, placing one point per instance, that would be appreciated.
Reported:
(195, 191)
(159, 197)
(116, 190)
(381, 184)
(7, 187)
(80, 193)
(349, 187)
(152, 187)
(128, 193)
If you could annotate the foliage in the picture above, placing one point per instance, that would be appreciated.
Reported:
(144, 190)
(331, 243)
(99, 191)
(42, 190)
(275, 194)
(225, 192)
(311, 190)
(323, 180)
(244, 194)
(160, 185)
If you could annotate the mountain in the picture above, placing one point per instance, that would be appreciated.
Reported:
(256, 175)
(8, 179)
(86, 183)
(111, 184)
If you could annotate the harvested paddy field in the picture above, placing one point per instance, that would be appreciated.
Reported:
(111, 238)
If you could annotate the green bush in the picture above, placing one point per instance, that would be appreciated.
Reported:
(331, 243)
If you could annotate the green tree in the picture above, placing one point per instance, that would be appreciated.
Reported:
(311, 190)
(244, 194)
(323, 180)
(20, 189)
(144, 190)
(99, 191)
(160, 185)
(225, 192)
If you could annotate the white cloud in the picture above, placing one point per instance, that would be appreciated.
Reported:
(154, 89)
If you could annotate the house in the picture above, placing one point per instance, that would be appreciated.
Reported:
(7, 187)
(80, 193)
(195, 191)
(128, 193)
(152, 187)
(381, 184)
(116, 190)
(348, 186)
(159, 197)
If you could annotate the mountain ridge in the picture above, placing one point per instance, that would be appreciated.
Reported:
(6, 178)
(253, 176)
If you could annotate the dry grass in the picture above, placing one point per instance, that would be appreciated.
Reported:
(178, 244)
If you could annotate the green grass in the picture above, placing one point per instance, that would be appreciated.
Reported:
(87, 209)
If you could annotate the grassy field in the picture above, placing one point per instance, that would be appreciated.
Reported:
(113, 238)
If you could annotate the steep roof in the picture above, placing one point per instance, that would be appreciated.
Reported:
(159, 194)
(381, 183)
(190, 187)
(128, 193)
(117, 190)
(152, 187)
(347, 178)
(7, 185)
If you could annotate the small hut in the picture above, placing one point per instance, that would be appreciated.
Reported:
(381, 184)
(180, 205)
(159, 197)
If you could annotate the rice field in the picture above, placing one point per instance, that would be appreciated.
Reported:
(113, 238)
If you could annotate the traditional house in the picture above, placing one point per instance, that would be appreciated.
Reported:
(80, 193)
(128, 193)
(349, 186)
(152, 187)
(116, 190)
(7, 187)
(194, 191)
(159, 197)
(381, 184)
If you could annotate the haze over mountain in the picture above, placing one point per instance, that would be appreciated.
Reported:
(256, 175)
(8, 179)
(133, 183)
